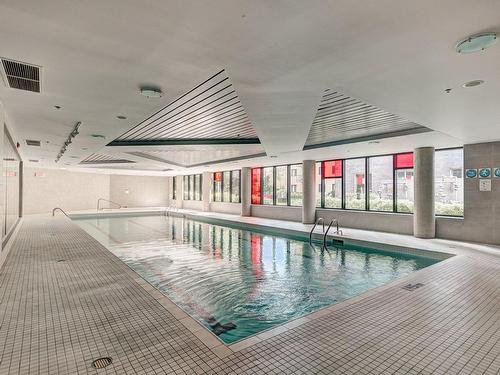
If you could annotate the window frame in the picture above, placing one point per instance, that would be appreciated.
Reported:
(231, 186)
(188, 187)
(463, 180)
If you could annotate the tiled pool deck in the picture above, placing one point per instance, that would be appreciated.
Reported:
(65, 301)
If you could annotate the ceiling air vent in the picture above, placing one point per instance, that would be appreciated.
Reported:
(31, 142)
(22, 76)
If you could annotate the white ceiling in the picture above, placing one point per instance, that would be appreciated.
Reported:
(280, 55)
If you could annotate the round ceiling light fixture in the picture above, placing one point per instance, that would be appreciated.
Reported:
(151, 92)
(97, 136)
(474, 83)
(121, 117)
(475, 43)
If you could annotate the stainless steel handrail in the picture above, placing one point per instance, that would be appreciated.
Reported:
(337, 231)
(60, 209)
(314, 227)
(107, 200)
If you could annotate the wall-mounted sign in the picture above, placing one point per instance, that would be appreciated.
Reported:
(471, 173)
(496, 173)
(485, 185)
(485, 173)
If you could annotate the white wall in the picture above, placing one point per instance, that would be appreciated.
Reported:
(278, 212)
(61, 188)
(139, 191)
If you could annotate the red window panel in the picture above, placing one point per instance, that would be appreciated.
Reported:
(403, 160)
(256, 186)
(332, 168)
(218, 176)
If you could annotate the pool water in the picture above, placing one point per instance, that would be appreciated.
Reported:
(239, 282)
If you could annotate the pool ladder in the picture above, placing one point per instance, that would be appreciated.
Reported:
(325, 233)
(58, 209)
(107, 200)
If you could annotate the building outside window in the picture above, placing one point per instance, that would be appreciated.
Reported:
(403, 165)
(449, 182)
(281, 185)
(226, 186)
(380, 183)
(268, 185)
(296, 185)
(192, 185)
(332, 183)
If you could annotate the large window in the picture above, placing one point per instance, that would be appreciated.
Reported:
(318, 184)
(355, 184)
(449, 182)
(403, 165)
(192, 187)
(235, 186)
(226, 187)
(296, 185)
(281, 185)
(381, 183)
(332, 183)
(257, 186)
(377, 183)
(217, 187)
(268, 185)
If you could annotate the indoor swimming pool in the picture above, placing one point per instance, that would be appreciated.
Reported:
(239, 282)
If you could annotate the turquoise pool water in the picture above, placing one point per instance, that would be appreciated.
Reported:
(238, 282)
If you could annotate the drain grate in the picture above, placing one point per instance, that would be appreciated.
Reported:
(102, 362)
(412, 287)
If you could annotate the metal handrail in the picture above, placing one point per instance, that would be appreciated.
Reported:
(314, 227)
(337, 231)
(60, 209)
(107, 200)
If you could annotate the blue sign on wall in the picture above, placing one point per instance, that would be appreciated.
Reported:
(485, 173)
(471, 173)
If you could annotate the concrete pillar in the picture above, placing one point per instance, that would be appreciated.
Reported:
(424, 221)
(205, 190)
(308, 191)
(246, 191)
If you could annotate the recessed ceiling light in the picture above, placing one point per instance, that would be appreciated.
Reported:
(84, 148)
(121, 117)
(273, 156)
(373, 142)
(476, 43)
(97, 136)
(75, 157)
(474, 83)
(447, 91)
(57, 107)
(151, 92)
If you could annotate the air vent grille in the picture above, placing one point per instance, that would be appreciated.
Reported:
(31, 142)
(22, 76)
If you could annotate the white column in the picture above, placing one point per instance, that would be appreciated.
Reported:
(205, 193)
(424, 220)
(308, 191)
(246, 191)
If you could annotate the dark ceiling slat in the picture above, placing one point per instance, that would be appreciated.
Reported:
(144, 129)
(194, 118)
(175, 101)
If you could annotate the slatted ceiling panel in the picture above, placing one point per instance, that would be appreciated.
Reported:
(340, 117)
(104, 159)
(22, 76)
(210, 110)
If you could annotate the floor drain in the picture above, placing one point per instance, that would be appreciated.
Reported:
(412, 287)
(102, 362)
